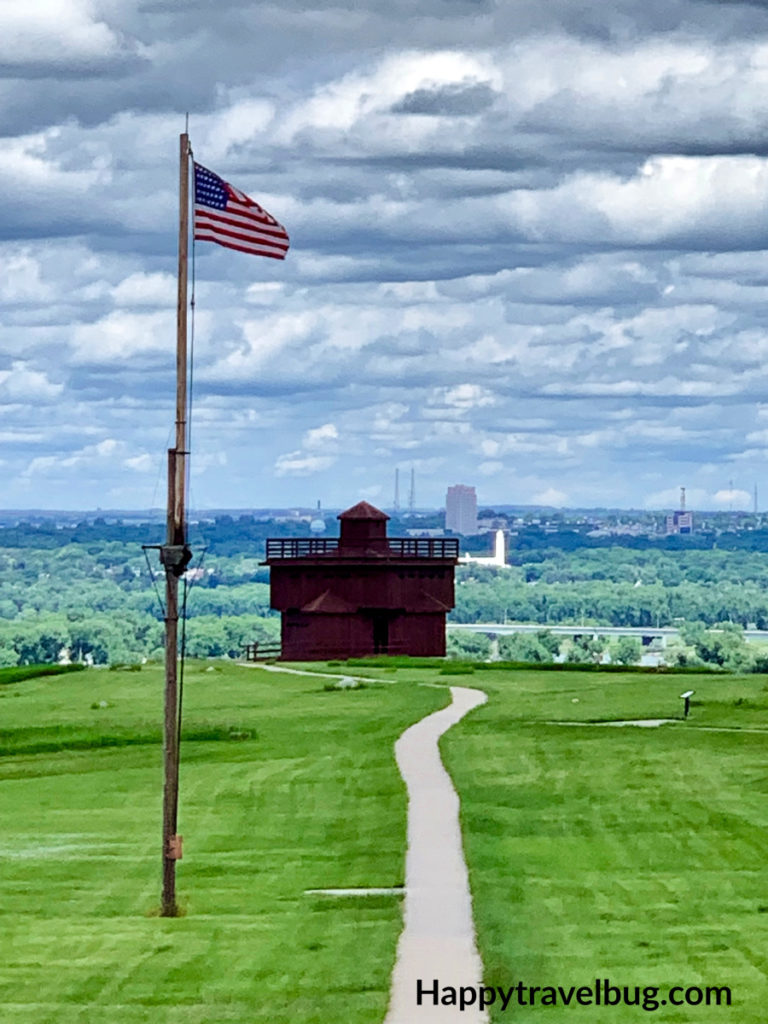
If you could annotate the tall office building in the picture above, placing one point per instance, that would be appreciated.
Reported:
(461, 510)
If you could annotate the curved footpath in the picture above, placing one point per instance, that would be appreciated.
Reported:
(438, 939)
(437, 944)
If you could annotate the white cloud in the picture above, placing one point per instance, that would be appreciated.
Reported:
(238, 122)
(118, 336)
(550, 496)
(141, 289)
(23, 384)
(359, 102)
(463, 397)
(732, 498)
(318, 452)
(299, 463)
(30, 159)
(669, 498)
(90, 456)
(53, 30)
(370, 492)
(321, 437)
(202, 461)
(21, 278)
(669, 198)
(144, 463)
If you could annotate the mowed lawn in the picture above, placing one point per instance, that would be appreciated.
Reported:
(634, 854)
(637, 855)
(284, 787)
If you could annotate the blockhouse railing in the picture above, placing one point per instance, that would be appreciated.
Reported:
(397, 547)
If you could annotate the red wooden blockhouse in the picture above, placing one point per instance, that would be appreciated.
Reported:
(363, 592)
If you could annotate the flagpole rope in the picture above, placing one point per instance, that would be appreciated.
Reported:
(183, 652)
(191, 351)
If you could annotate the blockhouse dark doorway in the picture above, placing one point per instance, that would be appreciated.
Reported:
(380, 633)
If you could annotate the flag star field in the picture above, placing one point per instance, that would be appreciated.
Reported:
(210, 190)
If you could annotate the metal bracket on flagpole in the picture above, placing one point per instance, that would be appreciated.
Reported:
(175, 557)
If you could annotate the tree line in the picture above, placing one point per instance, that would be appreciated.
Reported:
(618, 587)
(91, 591)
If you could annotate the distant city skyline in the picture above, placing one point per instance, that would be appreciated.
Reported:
(527, 251)
(308, 514)
(728, 500)
(724, 501)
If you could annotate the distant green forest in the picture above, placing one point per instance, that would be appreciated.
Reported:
(88, 588)
(619, 586)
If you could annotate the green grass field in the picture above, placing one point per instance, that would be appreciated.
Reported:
(284, 787)
(634, 854)
(637, 855)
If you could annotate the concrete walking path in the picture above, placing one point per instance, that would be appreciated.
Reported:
(438, 938)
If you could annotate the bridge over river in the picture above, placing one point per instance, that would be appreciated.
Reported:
(646, 634)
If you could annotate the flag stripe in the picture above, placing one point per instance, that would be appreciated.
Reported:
(210, 235)
(242, 246)
(234, 229)
(252, 210)
(208, 230)
(235, 220)
(213, 231)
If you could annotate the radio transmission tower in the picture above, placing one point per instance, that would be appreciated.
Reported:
(412, 492)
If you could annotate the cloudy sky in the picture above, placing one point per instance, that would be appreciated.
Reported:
(528, 250)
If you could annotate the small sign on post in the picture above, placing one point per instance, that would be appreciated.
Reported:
(174, 847)
(687, 698)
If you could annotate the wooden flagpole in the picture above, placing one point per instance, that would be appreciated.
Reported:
(175, 555)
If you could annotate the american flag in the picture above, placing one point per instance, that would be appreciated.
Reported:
(225, 215)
